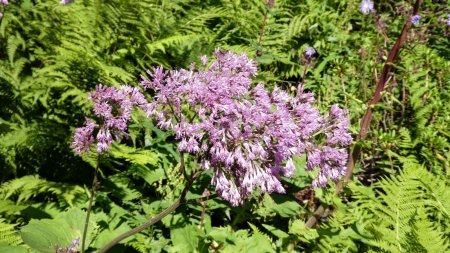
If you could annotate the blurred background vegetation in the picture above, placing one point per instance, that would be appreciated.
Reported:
(51, 55)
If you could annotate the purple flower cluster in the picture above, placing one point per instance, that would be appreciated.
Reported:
(448, 19)
(247, 137)
(366, 7)
(113, 107)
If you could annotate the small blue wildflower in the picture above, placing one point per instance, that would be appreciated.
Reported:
(310, 51)
(415, 19)
(366, 6)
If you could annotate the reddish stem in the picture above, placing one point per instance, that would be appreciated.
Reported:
(365, 124)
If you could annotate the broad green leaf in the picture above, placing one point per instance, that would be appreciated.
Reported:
(281, 205)
(186, 239)
(108, 234)
(275, 231)
(13, 249)
(43, 235)
(265, 59)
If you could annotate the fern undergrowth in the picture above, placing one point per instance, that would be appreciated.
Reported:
(52, 55)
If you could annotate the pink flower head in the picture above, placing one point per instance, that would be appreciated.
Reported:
(83, 138)
(246, 136)
(113, 107)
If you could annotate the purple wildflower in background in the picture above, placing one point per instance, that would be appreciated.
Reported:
(1, 15)
(247, 137)
(415, 19)
(448, 19)
(75, 243)
(5, 2)
(310, 51)
(366, 6)
(64, 2)
(113, 107)
(72, 248)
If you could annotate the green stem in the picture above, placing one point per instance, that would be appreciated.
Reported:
(263, 27)
(158, 217)
(183, 166)
(91, 200)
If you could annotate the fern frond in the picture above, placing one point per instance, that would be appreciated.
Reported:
(132, 155)
(13, 43)
(172, 41)
(25, 188)
(9, 235)
(430, 236)
(401, 204)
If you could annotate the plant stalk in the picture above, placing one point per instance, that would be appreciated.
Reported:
(376, 97)
(269, 5)
(89, 209)
(365, 124)
(158, 217)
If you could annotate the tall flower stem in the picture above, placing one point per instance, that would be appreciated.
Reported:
(377, 96)
(89, 209)
(356, 151)
(158, 217)
(270, 4)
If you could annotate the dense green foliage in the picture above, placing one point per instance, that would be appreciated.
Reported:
(51, 55)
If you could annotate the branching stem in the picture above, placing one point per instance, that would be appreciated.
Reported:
(158, 217)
